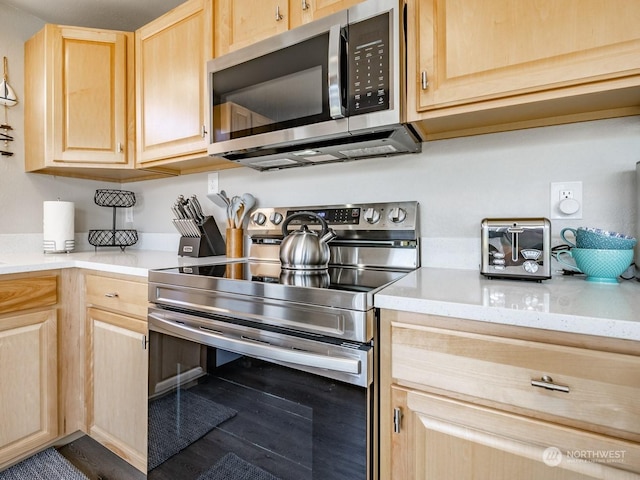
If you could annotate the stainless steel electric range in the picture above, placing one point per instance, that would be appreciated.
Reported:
(292, 353)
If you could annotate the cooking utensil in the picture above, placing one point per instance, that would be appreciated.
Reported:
(305, 249)
(236, 203)
(249, 201)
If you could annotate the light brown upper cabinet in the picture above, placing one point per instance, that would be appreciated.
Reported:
(171, 87)
(79, 112)
(305, 11)
(476, 67)
(240, 23)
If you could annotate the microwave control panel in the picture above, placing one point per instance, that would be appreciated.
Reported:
(369, 52)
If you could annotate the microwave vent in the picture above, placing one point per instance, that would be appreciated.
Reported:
(367, 144)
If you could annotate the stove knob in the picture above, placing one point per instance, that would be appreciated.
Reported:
(371, 215)
(530, 266)
(397, 215)
(276, 218)
(259, 218)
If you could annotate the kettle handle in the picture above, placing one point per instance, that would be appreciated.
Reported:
(285, 224)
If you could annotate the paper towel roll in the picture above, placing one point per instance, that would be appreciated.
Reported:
(58, 226)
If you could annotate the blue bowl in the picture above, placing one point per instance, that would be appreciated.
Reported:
(597, 238)
(601, 266)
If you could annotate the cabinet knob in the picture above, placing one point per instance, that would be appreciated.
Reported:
(278, 16)
(111, 295)
(547, 382)
(305, 5)
(119, 147)
(424, 80)
(203, 131)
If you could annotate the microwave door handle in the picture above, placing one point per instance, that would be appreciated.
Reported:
(335, 96)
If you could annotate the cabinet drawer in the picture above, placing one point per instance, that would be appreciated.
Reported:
(118, 295)
(24, 293)
(603, 387)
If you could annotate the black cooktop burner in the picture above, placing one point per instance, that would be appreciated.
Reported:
(338, 278)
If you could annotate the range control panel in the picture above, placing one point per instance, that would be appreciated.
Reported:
(363, 221)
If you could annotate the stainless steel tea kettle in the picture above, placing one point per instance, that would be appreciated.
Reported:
(305, 249)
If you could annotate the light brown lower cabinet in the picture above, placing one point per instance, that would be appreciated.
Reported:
(510, 403)
(28, 365)
(116, 361)
(441, 438)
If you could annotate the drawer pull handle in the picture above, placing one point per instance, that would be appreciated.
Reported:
(111, 295)
(547, 382)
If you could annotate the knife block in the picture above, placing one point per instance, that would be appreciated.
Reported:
(209, 243)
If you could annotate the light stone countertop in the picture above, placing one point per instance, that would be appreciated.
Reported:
(566, 304)
(129, 262)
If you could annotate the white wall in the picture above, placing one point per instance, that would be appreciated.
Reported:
(457, 182)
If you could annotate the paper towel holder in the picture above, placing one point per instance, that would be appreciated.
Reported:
(58, 227)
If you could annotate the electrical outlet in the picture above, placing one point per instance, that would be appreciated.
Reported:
(566, 194)
(212, 183)
(566, 200)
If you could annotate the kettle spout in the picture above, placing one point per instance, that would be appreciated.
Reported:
(330, 235)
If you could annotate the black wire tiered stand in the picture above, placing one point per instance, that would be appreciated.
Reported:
(114, 237)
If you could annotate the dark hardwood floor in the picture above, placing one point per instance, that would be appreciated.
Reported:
(97, 462)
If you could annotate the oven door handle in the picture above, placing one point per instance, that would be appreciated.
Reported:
(254, 348)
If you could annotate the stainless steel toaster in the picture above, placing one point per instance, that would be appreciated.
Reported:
(516, 248)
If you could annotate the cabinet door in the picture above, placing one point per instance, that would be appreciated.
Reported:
(171, 82)
(476, 51)
(441, 438)
(117, 360)
(242, 22)
(305, 11)
(28, 382)
(90, 95)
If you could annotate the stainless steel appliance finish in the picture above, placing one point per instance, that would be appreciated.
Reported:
(323, 92)
(516, 248)
(321, 324)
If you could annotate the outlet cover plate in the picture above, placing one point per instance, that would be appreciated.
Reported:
(557, 189)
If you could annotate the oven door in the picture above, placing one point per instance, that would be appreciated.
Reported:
(229, 397)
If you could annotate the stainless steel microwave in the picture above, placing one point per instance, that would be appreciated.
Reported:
(327, 91)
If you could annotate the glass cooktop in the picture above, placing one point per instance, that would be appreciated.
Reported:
(338, 278)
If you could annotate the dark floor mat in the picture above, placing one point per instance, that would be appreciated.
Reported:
(46, 465)
(232, 467)
(179, 419)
